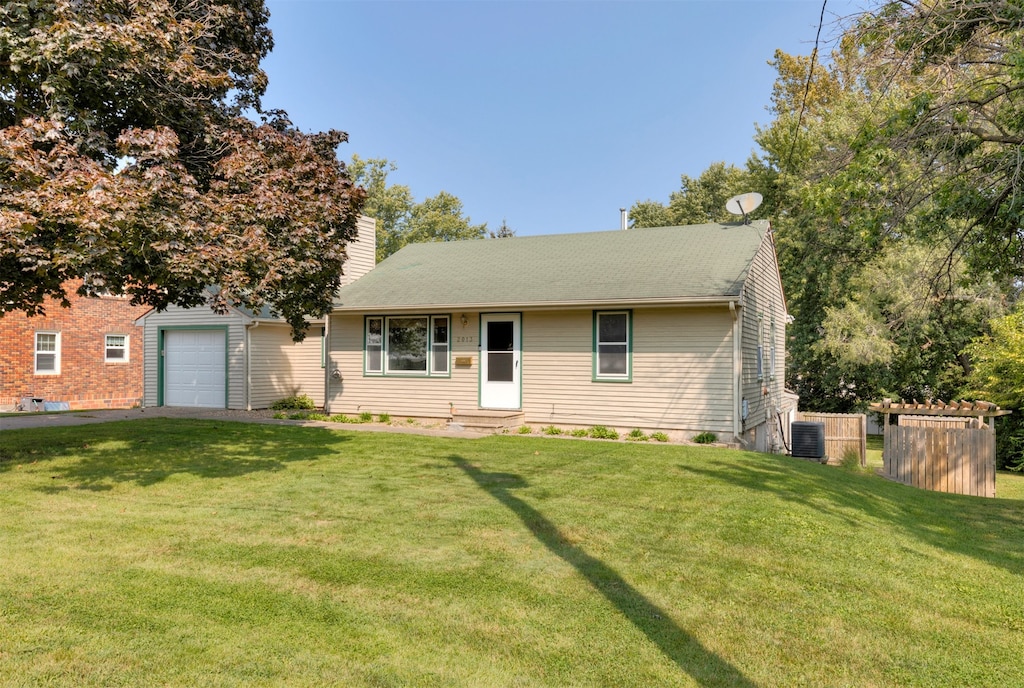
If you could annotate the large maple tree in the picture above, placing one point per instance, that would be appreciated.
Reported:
(128, 159)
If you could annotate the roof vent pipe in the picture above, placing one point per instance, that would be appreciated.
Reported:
(623, 219)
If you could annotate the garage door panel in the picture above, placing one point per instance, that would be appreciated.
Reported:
(194, 368)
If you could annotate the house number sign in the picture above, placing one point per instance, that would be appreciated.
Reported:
(465, 339)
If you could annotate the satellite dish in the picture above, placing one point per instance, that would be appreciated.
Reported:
(742, 204)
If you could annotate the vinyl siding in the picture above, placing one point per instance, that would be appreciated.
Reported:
(427, 397)
(682, 372)
(184, 318)
(763, 304)
(362, 253)
(280, 367)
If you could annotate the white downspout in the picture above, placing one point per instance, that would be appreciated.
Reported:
(248, 363)
(737, 372)
(327, 364)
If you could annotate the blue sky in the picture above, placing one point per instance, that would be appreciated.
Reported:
(550, 115)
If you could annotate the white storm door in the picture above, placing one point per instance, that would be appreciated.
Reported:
(194, 368)
(500, 353)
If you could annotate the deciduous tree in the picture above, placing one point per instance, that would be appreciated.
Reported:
(698, 201)
(400, 220)
(125, 160)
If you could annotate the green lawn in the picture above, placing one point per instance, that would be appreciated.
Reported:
(181, 553)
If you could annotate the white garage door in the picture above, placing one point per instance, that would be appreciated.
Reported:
(194, 363)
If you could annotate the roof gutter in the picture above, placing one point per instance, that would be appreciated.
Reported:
(667, 302)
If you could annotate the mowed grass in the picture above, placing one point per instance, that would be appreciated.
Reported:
(179, 553)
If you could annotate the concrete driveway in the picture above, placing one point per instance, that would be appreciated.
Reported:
(49, 420)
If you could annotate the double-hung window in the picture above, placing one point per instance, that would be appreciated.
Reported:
(613, 346)
(439, 345)
(115, 348)
(47, 353)
(407, 345)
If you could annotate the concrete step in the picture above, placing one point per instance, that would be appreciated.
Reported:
(488, 421)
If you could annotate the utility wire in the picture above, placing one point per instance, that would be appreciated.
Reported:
(807, 86)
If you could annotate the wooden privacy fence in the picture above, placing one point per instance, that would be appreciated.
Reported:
(940, 446)
(945, 459)
(844, 432)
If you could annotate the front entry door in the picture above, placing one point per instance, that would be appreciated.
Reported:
(500, 351)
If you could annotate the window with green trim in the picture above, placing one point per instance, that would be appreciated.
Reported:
(407, 345)
(612, 346)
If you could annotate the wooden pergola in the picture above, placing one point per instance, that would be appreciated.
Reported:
(937, 456)
(961, 409)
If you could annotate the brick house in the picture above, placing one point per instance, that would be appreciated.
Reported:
(89, 355)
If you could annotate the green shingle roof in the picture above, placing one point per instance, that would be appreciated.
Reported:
(665, 264)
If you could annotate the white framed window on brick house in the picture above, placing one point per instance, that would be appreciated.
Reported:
(47, 353)
(115, 348)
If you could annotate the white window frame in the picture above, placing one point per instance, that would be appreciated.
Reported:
(55, 352)
(627, 376)
(437, 353)
(440, 351)
(388, 370)
(125, 347)
(376, 345)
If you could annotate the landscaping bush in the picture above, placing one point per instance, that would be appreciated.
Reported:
(301, 401)
(580, 432)
(659, 436)
(525, 430)
(365, 417)
(600, 432)
(552, 430)
(384, 418)
(705, 438)
(636, 435)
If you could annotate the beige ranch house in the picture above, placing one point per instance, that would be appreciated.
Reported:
(673, 329)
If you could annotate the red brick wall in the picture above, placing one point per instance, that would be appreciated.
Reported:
(85, 380)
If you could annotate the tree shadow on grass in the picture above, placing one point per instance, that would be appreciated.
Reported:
(704, 666)
(991, 530)
(147, 452)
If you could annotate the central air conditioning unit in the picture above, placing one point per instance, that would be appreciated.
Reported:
(808, 439)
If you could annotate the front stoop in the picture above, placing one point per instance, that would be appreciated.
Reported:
(487, 421)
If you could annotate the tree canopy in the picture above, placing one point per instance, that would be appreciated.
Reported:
(698, 201)
(891, 174)
(401, 220)
(127, 160)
